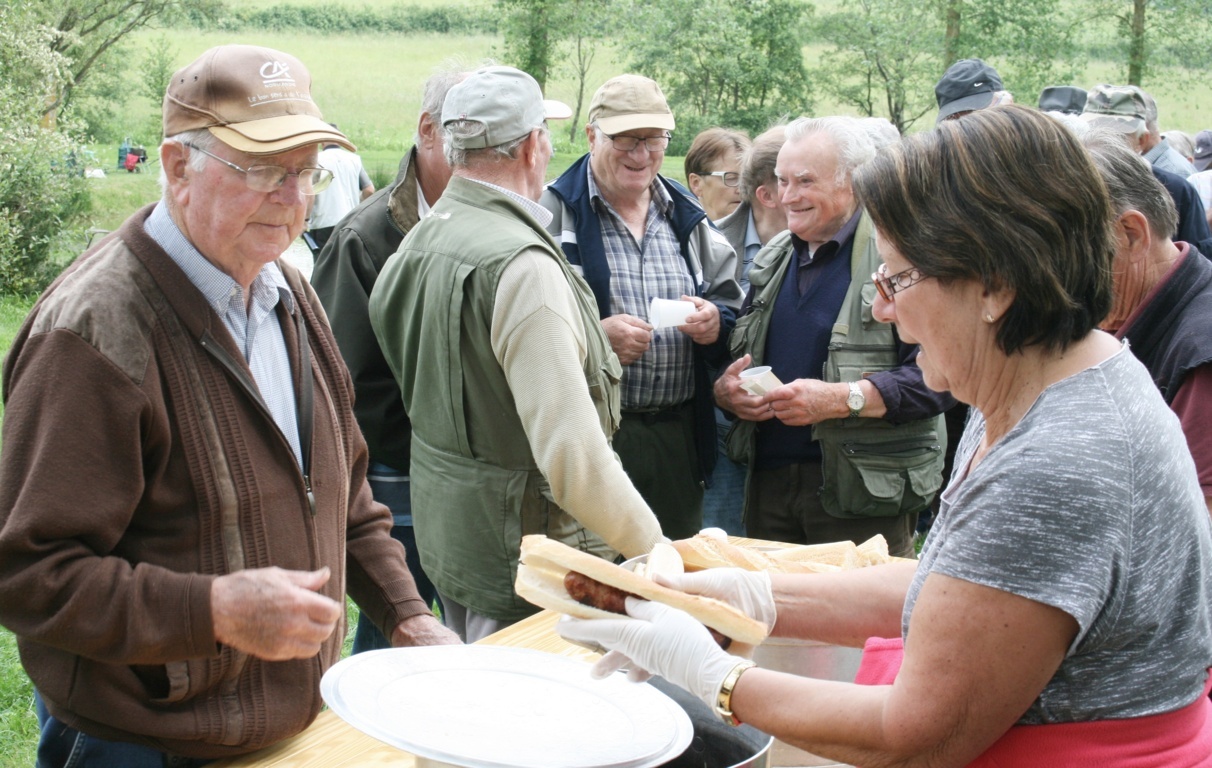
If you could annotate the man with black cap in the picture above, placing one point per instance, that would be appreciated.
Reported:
(637, 236)
(507, 376)
(966, 86)
(183, 498)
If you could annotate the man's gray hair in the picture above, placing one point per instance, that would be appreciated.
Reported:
(881, 131)
(447, 75)
(1130, 181)
(459, 157)
(854, 147)
(201, 138)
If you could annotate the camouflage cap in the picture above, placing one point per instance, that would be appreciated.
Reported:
(1117, 107)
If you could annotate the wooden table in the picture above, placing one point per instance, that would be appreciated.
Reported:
(330, 742)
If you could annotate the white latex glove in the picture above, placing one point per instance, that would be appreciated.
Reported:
(748, 591)
(658, 640)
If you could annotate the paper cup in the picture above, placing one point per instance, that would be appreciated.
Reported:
(760, 380)
(663, 313)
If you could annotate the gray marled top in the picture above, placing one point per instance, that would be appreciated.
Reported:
(1090, 504)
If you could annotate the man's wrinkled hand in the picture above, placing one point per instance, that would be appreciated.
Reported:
(805, 402)
(272, 613)
(422, 629)
(731, 397)
(629, 336)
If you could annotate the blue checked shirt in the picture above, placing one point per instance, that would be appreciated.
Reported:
(639, 272)
(254, 329)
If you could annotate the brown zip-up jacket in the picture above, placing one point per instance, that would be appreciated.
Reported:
(138, 464)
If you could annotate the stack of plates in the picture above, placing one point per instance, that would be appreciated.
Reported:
(498, 707)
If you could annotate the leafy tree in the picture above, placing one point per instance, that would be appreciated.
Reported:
(586, 30)
(885, 59)
(86, 33)
(530, 29)
(1157, 35)
(888, 54)
(42, 189)
(722, 62)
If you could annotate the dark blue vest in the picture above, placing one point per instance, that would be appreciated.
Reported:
(802, 354)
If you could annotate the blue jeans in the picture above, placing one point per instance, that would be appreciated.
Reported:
(390, 488)
(724, 501)
(61, 746)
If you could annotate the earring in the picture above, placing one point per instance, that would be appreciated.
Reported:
(988, 317)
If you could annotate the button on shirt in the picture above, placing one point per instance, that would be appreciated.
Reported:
(254, 326)
(639, 272)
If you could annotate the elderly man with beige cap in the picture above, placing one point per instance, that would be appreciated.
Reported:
(636, 236)
(183, 501)
(510, 382)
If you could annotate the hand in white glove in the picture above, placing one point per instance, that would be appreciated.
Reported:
(748, 591)
(660, 640)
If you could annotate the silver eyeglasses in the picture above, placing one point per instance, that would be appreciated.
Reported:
(730, 178)
(624, 143)
(267, 178)
(889, 285)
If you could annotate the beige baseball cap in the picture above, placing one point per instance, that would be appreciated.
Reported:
(630, 102)
(253, 99)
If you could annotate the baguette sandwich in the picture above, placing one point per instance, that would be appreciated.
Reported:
(544, 579)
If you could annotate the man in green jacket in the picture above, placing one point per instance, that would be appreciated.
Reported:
(507, 376)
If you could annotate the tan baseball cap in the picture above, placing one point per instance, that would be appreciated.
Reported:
(253, 99)
(629, 102)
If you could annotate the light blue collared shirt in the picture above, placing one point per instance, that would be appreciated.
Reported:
(254, 327)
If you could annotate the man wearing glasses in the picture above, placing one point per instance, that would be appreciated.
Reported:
(183, 502)
(852, 444)
(635, 236)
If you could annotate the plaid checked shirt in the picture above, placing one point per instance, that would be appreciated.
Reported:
(639, 272)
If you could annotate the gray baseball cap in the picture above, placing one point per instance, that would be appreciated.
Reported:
(1116, 107)
(1203, 150)
(505, 100)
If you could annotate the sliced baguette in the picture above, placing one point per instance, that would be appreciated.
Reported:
(541, 581)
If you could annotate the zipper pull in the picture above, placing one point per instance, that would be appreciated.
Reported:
(311, 497)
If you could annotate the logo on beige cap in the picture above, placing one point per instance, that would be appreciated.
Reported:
(276, 73)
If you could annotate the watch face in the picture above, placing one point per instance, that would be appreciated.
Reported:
(856, 401)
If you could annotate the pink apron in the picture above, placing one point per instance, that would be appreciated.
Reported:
(1179, 739)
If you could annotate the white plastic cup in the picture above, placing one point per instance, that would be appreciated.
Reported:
(663, 313)
(759, 380)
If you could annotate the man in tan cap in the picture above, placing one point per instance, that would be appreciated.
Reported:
(183, 501)
(636, 236)
(510, 382)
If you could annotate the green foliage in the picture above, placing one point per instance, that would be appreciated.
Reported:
(883, 61)
(887, 55)
(330, 18)
(42, 190)
(736, 63)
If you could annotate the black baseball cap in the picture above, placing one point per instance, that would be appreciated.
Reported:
(1067, 99)
(967, 84)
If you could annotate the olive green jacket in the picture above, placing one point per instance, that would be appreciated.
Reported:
(476, 488)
